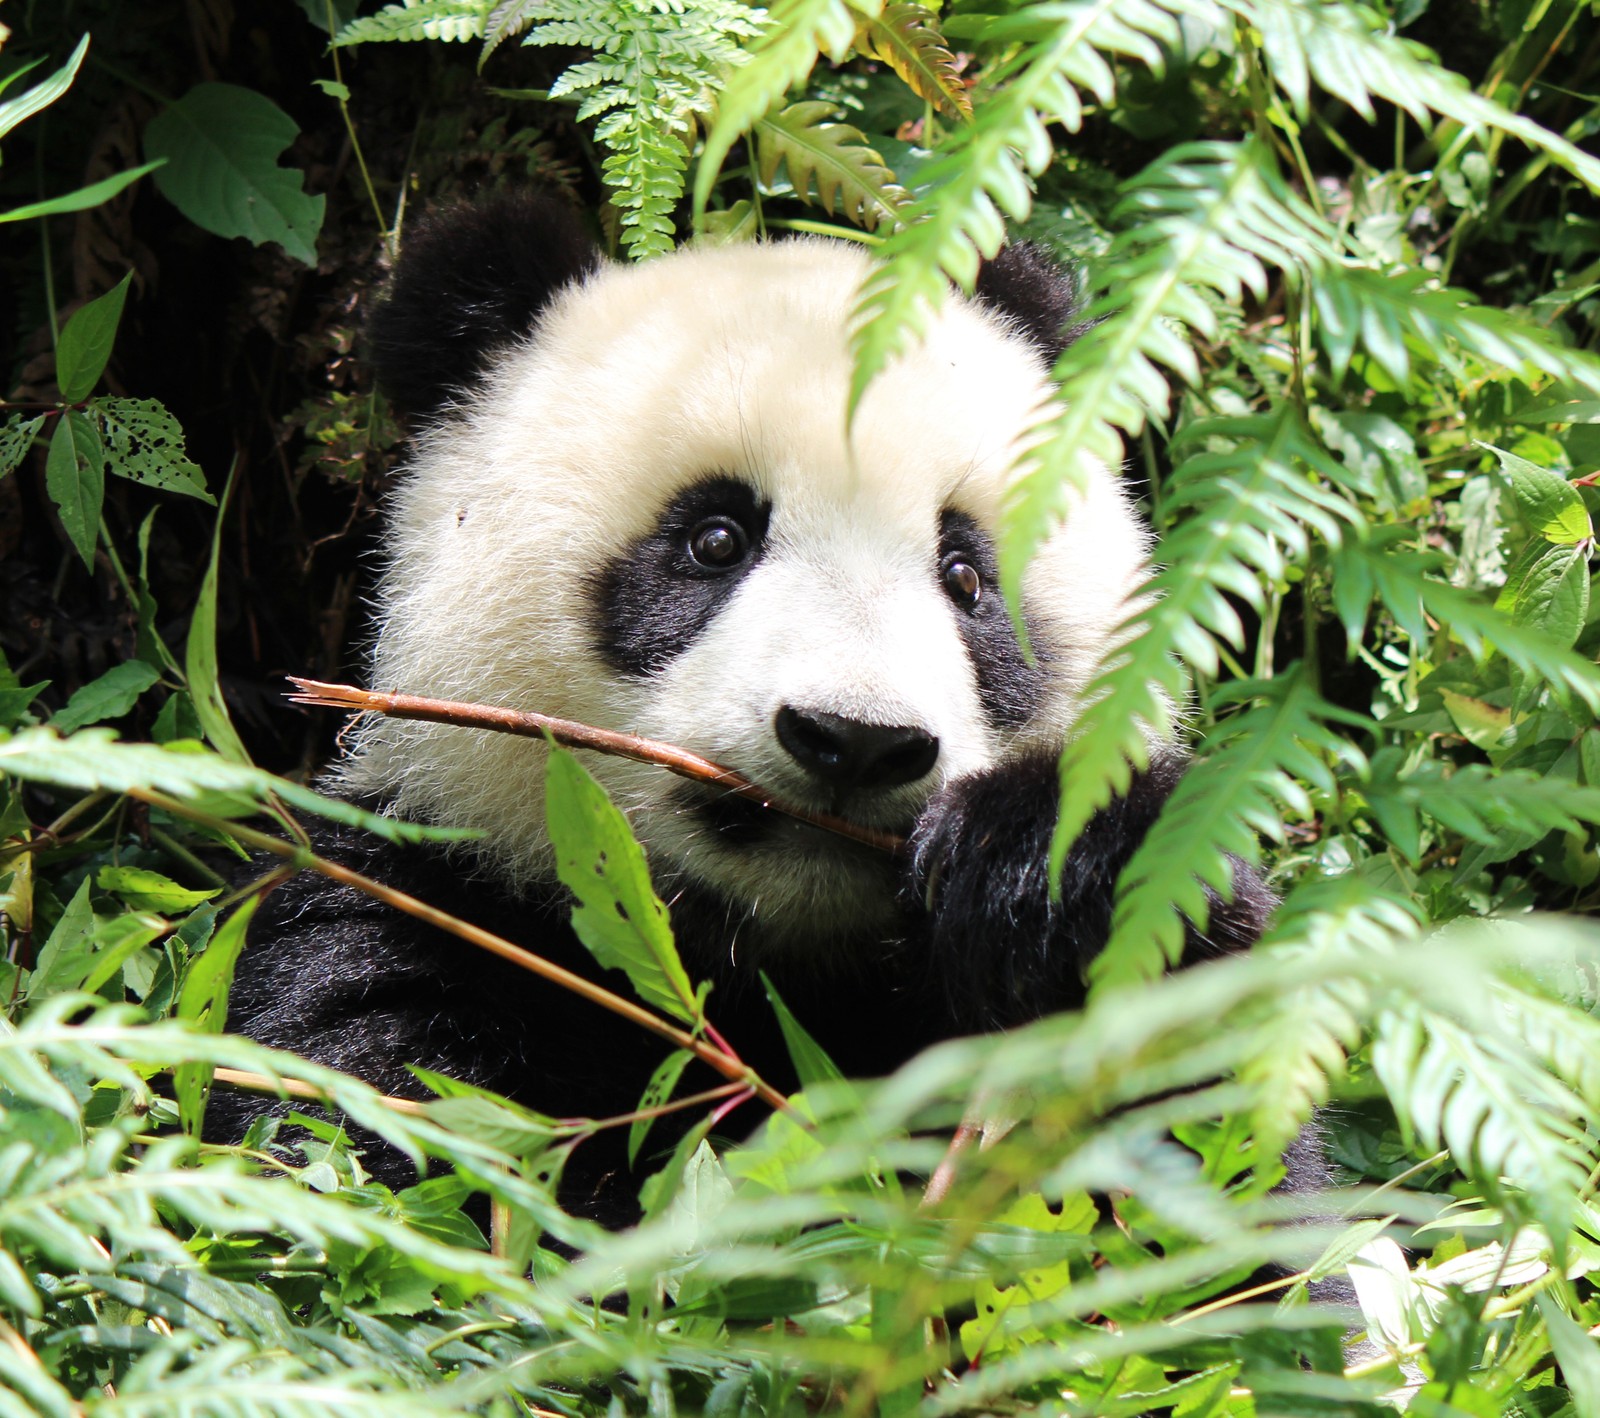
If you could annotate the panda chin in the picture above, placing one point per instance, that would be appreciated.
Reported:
(795, 886)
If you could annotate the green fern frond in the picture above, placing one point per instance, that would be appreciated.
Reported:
(850, 178)
(1249, 781)
(1506, 809)
(1350, 52)
(1364, 570)
(1479, 1094)
(1204, 220)
(420, 19)
(985, 175)
(1394, 315)
(506, 20)
(906, 37)
(1250, 507)
(656, 66)
(798, 32)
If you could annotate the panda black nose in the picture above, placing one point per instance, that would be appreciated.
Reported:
(851, 754)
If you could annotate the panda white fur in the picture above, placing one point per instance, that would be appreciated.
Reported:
(633, 501)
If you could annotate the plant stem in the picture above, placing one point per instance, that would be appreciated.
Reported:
(730, 1068)
(572, 734)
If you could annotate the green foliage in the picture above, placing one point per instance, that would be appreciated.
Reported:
(1342, 288)
(221, 145)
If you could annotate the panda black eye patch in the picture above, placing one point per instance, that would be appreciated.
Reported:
(657, 596)
(968, 571)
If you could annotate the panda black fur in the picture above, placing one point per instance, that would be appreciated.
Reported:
(633, 501)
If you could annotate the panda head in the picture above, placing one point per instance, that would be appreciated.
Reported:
(633, 501)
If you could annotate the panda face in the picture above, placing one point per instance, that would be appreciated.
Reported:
(652, 517)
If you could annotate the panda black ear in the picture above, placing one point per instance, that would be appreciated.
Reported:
(471, 279)
(1044, 298)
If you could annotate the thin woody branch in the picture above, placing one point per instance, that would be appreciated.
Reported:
(571, 734)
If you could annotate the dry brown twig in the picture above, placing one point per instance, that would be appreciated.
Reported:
(571, 734)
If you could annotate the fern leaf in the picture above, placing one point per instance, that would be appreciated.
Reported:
(906, 37)
(1367, 569)
(1503, 1118)
(1205, 217)
(986, 173)
(1241, 790)
(849, 177)
(656, 68)
(420, 19)
(1391, 314)
(1346, 50)
(797, 32)
(1250, 505)
(1506, 810)
(507, 19)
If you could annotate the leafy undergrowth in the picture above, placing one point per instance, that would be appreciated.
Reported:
(1343, 262)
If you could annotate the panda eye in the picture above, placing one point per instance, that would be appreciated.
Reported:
(961, 580)
(718, 544)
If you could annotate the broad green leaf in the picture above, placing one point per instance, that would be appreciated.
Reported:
(109, 697)
(86, 342)
(115, 941)
(222, 145)
(658, 1091)
(41, 96)
(83, 198)
(147, 890)
(1551, 594)
(203, 1004)
(1546, 501)
(16, 438)
(145, 445)
(74, 476)
(200, 660)
(619, 917)
(1480, 724)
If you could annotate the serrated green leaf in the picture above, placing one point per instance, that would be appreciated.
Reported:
(108, 697)
(145, 444)
(16, 438)
(619, 917)
(1546, 501)
(74, 476)
(86, 342)
(221, 144)
(1550, 594)
(849, 177)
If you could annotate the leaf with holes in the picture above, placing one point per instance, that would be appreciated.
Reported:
(16, 438)
(848, 176)
(222, 145)
(146, 446)
(906, 37)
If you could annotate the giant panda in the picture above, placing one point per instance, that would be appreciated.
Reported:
(632, 499)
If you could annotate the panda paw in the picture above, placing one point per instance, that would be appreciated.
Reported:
(978, 882)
